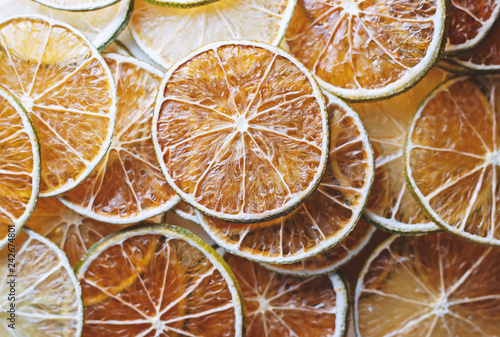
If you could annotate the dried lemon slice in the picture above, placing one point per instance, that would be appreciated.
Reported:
(241, 131)
(181, 3)
(433, 285)
(367, 49)
(168, 34)
(452, 157)
(128, 185)
(184, 288)
(77, 5)
(68, 90)
(19, 167)
(326, 217)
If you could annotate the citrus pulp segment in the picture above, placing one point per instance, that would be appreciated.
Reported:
(128, 185)
(433, 285)
(68, 90)
(19, 167)
(168, 34)
(391, 205)
(184, 210)
(181, 3)
(333, 258)
(326, 217)
(241, 131)
(101, 26)
(367, 49)
(47, 297)
(285, 306)
(184, 288)
(470, 22)
(118, 47)
(452, 158)
(77, 5)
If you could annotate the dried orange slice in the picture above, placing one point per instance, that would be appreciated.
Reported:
(241, 131)
(470, 22)
(433, 285)
(40, 293)
(452, 158)
(184, 289)
(391, 205)
(184, 210)
(281, 305)
(128, 185)
(362, 49)
(326, 217)
(68, 90)
(19, 167)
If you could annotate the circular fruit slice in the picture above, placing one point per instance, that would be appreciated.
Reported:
(367, 49)
(184, 289)
(452, 158)
(241, 131)
(332, 258)
(19, 167)
(181, 3)
(184, 210)
(168, 34)
(101, 26)
(68, 90)
(128, 185)
(391, 205)
(326, 217)
(118, 47)
(470, 22)
(434, 285)
(77, 5)
(280, 305)
(39, 286)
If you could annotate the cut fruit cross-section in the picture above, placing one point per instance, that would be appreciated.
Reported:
(434, 285)
(184, 210)
(241, 131)
(367, 49)
(183, 289)
(77, 5)
(452, 158)
(38, 285)
(68, 90)
(19, 167)
(128, 185)
(326, 217)
(181, 3)
(286, 306)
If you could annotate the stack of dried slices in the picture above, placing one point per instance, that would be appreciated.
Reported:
(285, 132)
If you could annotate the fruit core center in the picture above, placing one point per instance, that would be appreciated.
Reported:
(441, 307)
(350, 7)
(242, 124)
(493, 158)
(263, 304)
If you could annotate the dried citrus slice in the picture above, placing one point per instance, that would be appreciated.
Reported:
(40, 293)
(470, 22)
(118, 47)
(452, 158)
(391, 205)
(184, 210)
(434, 285)
(367, 49)
(241, 131)
(280, 305)
(333, 258)
(168, 34)
(68, 90)
(326, 217)
(101, 26)
(128, 185)
(77, 5)
(181, 3)
(184, 289)
(19, 167)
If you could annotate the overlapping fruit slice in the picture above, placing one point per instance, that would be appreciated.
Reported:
(285, 306)
(391, 205)
(434, 285)
(452, 157)
(68, 90)
(168, 34)
(19, 167)
(77, 5)
(118, 47)
(100, 26)
(128, 185)
(181, 3)
(183, 289)
(326, 217)
(241, 131)
(38, 285)
(367, 49)
(184, 210)
(470, 22)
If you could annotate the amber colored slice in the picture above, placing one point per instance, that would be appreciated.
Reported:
(434, 285)
(184, 210)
